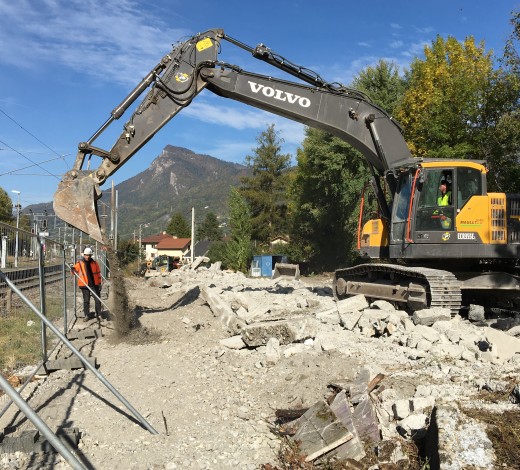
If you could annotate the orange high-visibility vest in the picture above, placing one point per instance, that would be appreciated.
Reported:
(81, 269)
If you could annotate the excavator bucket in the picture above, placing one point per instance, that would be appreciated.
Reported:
(286, 271)
(75, 202)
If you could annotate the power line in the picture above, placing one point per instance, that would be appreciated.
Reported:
(29, 166)
(32, 135)
(27, 158)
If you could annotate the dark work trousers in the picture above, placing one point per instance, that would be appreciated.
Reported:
(86, 300)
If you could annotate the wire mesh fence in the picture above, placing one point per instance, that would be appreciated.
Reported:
(40, 269)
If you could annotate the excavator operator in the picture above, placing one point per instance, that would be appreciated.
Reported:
(444, 198)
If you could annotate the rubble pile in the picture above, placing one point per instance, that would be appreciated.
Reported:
(448, 359)
(237, 362)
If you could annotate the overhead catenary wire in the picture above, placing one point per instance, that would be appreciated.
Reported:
(27, 158)
(30, 166)
(33, 136)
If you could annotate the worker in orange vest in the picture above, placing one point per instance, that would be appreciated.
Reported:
(89, 275)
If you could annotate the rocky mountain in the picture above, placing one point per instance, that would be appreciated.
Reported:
(177, 180)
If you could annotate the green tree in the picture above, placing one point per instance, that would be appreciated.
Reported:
(239, 248)
(442, 107)
(329, 180)
(265, 189)
(178, 226)
(127, 251)
(383, 84)
(209, 229)
(324, 200)
(6, 207)
(501, 116)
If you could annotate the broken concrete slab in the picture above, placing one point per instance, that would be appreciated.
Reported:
(70, 363)
(352, 449)
(234, 342)
(447, 447)
(350, 320)
(319, 431)
(221, 309)
(413, 426)
(286, 331)
(359, 387)
(382, 305)
(429, 316)
(352, 304)
(365, 420)
(329, 316)
(503, 345)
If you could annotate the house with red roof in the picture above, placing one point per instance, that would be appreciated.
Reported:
(149, 244)
(176, 247)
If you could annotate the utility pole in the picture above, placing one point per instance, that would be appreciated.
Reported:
(17, 227)
(192, 234)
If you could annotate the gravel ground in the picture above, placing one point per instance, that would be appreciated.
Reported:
(211, 406)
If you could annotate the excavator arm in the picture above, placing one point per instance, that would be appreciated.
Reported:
(192, 66)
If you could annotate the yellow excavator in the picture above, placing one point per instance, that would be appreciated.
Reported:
(439, 233)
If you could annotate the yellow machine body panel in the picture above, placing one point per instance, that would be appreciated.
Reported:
(485, 215)
(374, 234)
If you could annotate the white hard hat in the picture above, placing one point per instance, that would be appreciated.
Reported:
(87, 251)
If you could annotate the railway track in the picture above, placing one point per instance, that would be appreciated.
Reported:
(29, 278)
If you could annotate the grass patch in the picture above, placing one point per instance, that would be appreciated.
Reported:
(20, 332)
(503, 429)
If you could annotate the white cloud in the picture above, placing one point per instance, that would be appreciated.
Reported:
(396, 44)
(426, 30)
(109, 39)
(240, 117)
(395, 26)
(364, 44)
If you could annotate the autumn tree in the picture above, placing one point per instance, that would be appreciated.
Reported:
(178, 226)
(265, 189)
(443, 103)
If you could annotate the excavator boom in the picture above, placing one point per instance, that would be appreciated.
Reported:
(192, 66)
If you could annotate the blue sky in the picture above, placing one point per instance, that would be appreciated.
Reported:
(65, 64)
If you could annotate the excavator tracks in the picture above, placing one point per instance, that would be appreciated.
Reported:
(416, 287)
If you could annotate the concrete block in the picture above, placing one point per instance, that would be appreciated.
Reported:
(350, 320)
(423, 345)
(413, 426)
(504, 346)
(476, 313)
(352, 304)
(383, 305)
(234, 342)
(429, 316)
(272, 351)
(329, 317)
(401, 409)
(286, 331)
(427, 333)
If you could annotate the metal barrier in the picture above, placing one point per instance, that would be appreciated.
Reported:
(55, 292)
